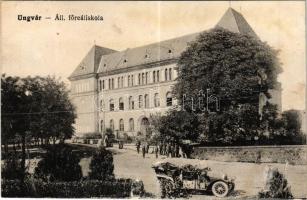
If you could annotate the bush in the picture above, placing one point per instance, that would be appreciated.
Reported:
(92, 135)
(276, 186)
(101, 165)
(76, 189)
(12, 168)
(59, 163)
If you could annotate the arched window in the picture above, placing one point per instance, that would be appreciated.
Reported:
(146, 101)
(139, 79)
(165, 74)
(146, 78)
(112, 124)
(157, 100)
(101, 125)
(128, 80)
(121, 125)
(132, 81)
(158, 75)
(101, 105)
(140, 101)
(169, 99)
(100, 85)
(170, 74)
(118, 82)
(131, 103)
(131, 124)
(111, 103)
(154, 76)
(121, 104)
(103, 84)
(143, 78)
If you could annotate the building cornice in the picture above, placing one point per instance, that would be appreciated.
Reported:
(139, 67)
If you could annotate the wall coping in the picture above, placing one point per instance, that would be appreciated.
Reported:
(251, 147)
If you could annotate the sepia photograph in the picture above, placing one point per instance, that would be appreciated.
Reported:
(153, 100)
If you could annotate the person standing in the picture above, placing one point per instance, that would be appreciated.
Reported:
(143, 150)
(138, 145)
(157, 151)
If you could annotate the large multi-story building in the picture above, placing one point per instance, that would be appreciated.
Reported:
(121, 89)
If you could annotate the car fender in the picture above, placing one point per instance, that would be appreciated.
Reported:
(161, 176)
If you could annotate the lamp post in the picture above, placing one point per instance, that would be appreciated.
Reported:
(23, 140)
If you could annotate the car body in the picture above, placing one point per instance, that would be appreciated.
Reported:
(175, 180)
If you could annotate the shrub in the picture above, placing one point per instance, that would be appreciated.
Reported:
(11, 168)
(76, 189)
(276, 186)
(101, 165)
(92, 135)
(59, 163)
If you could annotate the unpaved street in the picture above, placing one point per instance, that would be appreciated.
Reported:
(249, 176)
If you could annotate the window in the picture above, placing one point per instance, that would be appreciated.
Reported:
(129, 81)
(158, 74)
(132, 82)
(101, 105)
(146, 78)
(121, 104)
(131, 103)
(146, 101)
(100, 85)
(143, 78)
(131, 124)
(103, 84)
(112, 124)
(122, 82)
(118, 82)
(154, 76)
(156, 100)
(111, 105)
(170, 74)
(165, 74)
(139, 79)
(109, 84)
(121, 125)
(112, 83)
(169, 99)
(101, 125)
(140, 101)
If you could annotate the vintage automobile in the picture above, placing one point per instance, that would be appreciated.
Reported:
(177, 180)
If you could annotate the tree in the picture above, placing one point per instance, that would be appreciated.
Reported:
(233, 66)
(101, 165)
(38, 107)
(176, 125)
(236, 69)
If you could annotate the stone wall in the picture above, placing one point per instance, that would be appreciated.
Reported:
(294, 154)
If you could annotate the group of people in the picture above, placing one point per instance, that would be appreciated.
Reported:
(169, 149)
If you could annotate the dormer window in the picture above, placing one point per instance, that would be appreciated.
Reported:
(125, 61)
(104, 65)
(146, 56)
(169, 51)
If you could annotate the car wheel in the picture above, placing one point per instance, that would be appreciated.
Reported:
(220, 189)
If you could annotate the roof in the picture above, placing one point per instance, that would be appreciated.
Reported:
(164, 50)
(106, 60)
(90, 62)
(235, 22)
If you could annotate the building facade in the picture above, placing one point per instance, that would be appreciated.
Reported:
(121, 89)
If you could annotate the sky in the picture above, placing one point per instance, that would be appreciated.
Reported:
(50, 47)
